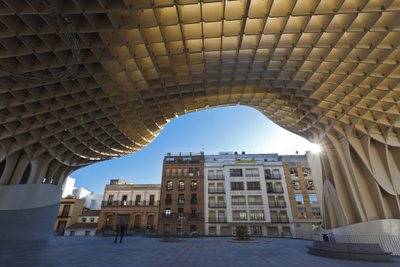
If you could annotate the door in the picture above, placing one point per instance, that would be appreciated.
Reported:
(138, 219)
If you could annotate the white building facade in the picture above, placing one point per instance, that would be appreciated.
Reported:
(86, 224)
(246, 190)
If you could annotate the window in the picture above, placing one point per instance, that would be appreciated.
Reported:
(110, 200)
(237, 186)
(267, 174)
(173, 172)
(124, 200)
(191, 172)
(152, 202)
(193, 185)
(276, 174)
(255, 200)
(179, 172)
(185, 172)
(72, 233)
(167, 172)
(252, 172)
(296, 185)
(316, 212)
(181, 214)
(168, 213)
(236, 172)
(197, 171)
(253, 186)
(193, 214)
(302, 212)
(299, 198)
(83, 219)
(211, 175)
(306, 172)
(193, 199)
(313, 198)
(168, 199)
(87, 233)
(256, 230)
(65, 210)
(238, 200)
(181, 185)
(138, 200)
(293, 172)
(239, 215)
(181, 199)
(169, 160)
(256, 215)
(220, 175)
(92, 219)
(310, 185)
(169, 185)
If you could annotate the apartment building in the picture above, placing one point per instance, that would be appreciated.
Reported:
(248, 191)
(133, 206)
(68, 212)
(86, 224)
(302, 194)
(182, 195)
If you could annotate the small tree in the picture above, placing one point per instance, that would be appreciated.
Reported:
(241, 233)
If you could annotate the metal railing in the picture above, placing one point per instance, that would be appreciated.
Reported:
(272, 177)
(216, 177)
(217, 220)
(256, 203)
(239, 203)
(277, 204)
(219, 204)
(130, 203)
(274, 190)
(388, 243)
(281, 219)
(216, 190)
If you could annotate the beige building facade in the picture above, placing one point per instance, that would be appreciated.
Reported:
(133, 206)
(69, 211)
(304, 198)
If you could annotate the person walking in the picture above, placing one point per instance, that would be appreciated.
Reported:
(119, 232)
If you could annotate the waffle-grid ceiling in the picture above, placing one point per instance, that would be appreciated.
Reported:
(313, 67)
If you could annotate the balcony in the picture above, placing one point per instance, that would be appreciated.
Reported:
(216, 177)
(279, 219)
(234, 218)
(256, 203)
(219, 204)
(193, 201)
(274, 190)
(219, 190)
(279, 204)
(239, 203)
(128, 203)
(167, 216)
(272, 177)
(217, 220)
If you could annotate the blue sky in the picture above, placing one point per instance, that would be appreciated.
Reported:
(235, 128)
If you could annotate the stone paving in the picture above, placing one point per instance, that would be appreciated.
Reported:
(149, 252)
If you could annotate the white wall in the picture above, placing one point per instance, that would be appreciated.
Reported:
(93, 201)
(68, 187)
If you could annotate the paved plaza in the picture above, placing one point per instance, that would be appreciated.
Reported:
(141, 251)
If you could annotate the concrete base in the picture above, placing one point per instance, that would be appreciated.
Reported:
(28, 224)
(28, 212)
(365, 252)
